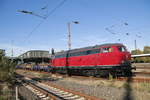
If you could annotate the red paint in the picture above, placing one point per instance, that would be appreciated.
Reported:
(98, 59)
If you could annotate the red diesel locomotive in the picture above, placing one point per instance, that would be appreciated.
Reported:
(100, 60)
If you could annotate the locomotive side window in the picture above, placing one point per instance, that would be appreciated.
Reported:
(88, 52)
(122, 49)
(60, 56)
(95, 51)
(77, 53)
(56, 56)
(80, 53)
(108, 49)
(92, 51)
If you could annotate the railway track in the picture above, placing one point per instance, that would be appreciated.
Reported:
(133, 78)
(142, 67)
(142, 73)
(48, 91)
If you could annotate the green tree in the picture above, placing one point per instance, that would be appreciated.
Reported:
(146, 51)
(135, 52)
(7, 69)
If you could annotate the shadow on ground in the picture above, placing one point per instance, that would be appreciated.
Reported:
(128, 89)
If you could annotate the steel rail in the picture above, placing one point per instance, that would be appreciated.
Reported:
(135, 79)
(56, 92)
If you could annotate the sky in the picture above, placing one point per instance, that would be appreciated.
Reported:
(100, 21)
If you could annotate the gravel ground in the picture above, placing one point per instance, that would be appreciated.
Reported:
(105, 92)
(98, 91)
(109, 90)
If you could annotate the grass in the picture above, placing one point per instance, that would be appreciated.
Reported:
(6, 93)
(143, 87)
(110, 77)
(126, 85)
(44, 75)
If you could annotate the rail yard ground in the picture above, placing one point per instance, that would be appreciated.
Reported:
(100, 88)
(142, 69)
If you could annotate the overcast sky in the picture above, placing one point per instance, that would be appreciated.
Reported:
(100, 21)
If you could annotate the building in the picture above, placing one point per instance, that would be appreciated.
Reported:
(36, 56)
(2, 52)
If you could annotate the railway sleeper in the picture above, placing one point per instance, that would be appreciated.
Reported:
(38, 93)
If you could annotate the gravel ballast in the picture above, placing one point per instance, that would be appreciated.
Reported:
(101, 91)
(105, 89)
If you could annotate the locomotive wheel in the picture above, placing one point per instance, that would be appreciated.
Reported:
(114, 74)
(53, 70)
(128, 73)
(103, 73)
(69, 72)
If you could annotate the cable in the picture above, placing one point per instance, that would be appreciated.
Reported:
(51, 12)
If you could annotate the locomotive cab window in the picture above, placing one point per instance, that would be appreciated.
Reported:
(108, 49)
(122, 49)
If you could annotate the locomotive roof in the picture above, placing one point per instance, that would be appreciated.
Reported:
(89, 47)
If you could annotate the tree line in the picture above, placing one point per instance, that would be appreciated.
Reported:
(146, 50)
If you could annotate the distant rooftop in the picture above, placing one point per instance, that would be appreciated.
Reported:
(35, 54)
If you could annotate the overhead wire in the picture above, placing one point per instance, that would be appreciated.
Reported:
(51, 12)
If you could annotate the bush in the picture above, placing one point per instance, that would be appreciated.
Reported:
(7, 68)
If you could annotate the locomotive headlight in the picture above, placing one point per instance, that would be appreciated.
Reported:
(122, 62)
(127, 56)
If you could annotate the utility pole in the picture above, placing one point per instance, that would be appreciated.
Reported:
(69, 46)
(69, 36)
(12, 52)
(21, 57)
(69, 33)
(135, 44)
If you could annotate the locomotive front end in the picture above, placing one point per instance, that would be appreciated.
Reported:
(124, 59)
(125, 56)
